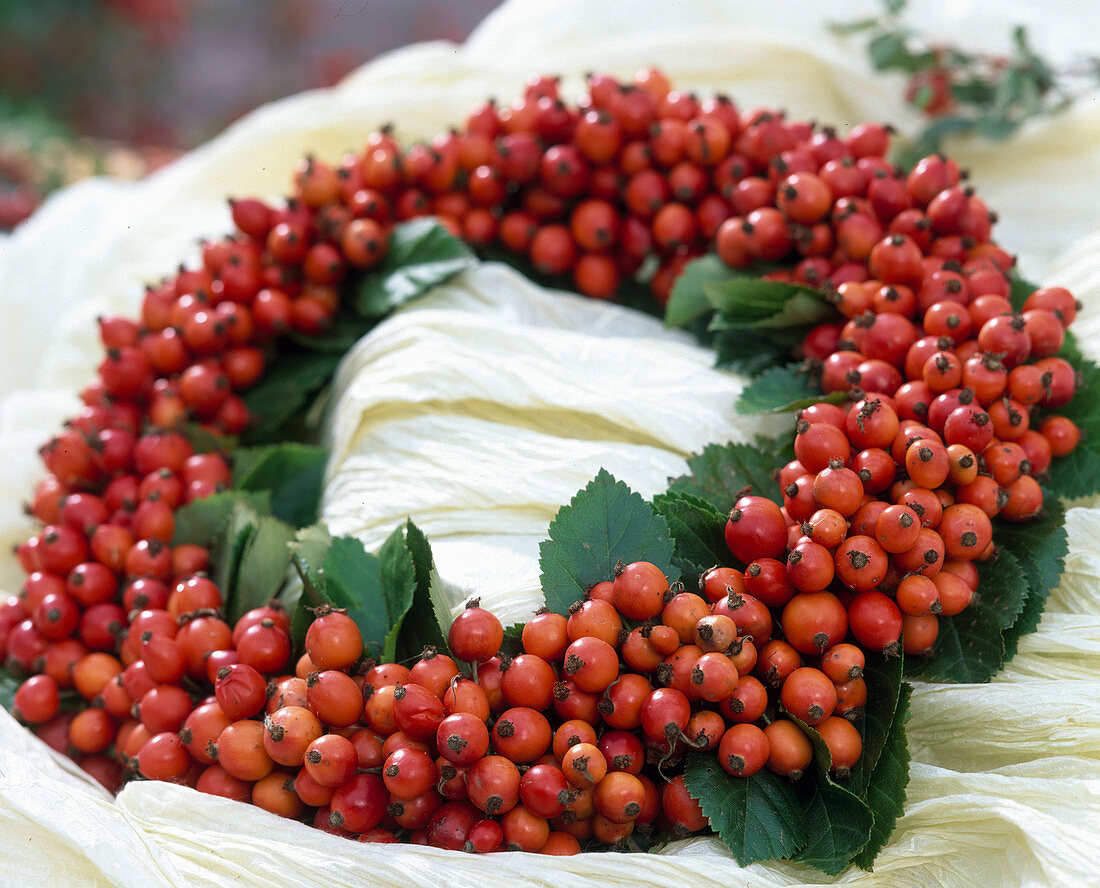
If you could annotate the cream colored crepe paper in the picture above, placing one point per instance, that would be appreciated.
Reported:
(483, 408)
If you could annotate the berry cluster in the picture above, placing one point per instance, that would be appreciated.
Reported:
(886, 510)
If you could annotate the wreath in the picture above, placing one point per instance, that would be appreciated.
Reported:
(729, 656)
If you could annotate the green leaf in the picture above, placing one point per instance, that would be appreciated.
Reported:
(889, 50)
(1019, 290)
(263, 567)
(9, 684)
(744, 301)
(352, 579)
(229, 547)
(974, 91)
(604, 523)
(306, 552)
(205, 441)
(995, 127)
(422, 254)
(780, 389)
(308, 549)
(699, 530)
(688, 300)
(843, 29)
(758, 817)
(752, 350)
(970, 647)
(428, 619)
(886, 789)
(293, 472)
(200, 521)
(398, 587)
(292, 380)
(296, 601)
(512, 645)
(838, 824)
(1078, 474)
(1040, 548)
(722, 472)
(883, 678)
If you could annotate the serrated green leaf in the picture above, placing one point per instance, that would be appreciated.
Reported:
(970, 647)
(604, 523)
(1078, 474)
(292, 471)
(422, 254)
(309, 547)
(229, 547)
(294, 599)
(429, 618)
(838, 822)
(1040, 548)
(778, 388)
(757, 817)
(352, 579)
(722, 471)
(838, 826)
(263, 567)
(883, 678)
(801, 310)
(288, 386)
(306, 551)
(886, 789)
(745, 301)
(687, 300)
(699, 531)
(200, 521)
(398, 587)
(752, 351)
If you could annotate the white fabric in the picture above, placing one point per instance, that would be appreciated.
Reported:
(483, 408)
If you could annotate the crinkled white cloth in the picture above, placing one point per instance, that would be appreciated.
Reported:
(481, 409)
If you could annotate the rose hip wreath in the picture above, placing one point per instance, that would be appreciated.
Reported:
(602, 721)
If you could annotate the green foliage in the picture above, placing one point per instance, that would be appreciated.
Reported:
(886, 788)
(422, 254)
(292, 472)
(970, 646)
(758, 817)
(838, 825)
(699, 531)
(961, 91)
(1040, 549)
(262, 569)
(603, 524)
(1078, 474)
(294, 379)
(784, 389)
(381, 592)
(688, 301)
(722, 472)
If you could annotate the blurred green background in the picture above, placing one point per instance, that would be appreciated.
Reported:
(123, 86)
